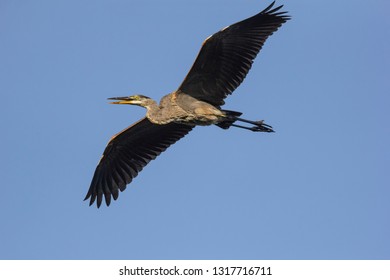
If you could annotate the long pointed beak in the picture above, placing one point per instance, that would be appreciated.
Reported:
(121, 100)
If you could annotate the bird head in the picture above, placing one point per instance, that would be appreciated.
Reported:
(140, 100)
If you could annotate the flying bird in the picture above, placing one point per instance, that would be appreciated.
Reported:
(224, 60)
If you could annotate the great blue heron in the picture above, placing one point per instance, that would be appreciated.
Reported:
(222, 64)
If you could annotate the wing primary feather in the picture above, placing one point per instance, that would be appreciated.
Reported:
(127, 153)
(234, 47)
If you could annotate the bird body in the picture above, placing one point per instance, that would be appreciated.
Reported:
(220, 67)
(176, 107)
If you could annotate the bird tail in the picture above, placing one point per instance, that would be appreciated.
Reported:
(231, 117)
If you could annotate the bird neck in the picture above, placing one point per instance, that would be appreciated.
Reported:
(152, 108)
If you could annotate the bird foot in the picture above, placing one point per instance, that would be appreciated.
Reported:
(262, 127)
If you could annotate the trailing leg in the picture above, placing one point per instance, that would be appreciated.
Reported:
(232, 117)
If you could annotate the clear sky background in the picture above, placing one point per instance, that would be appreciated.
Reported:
(318, 188)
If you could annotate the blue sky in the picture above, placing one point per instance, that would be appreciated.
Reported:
(318, 188)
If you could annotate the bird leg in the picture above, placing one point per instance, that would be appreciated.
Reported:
(259, 125)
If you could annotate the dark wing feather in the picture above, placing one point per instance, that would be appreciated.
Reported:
(226, 57)
(127, 153)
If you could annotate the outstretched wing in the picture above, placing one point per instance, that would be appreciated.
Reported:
(127, 153)
(226, 57)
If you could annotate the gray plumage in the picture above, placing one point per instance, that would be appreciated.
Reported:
(220, 67)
